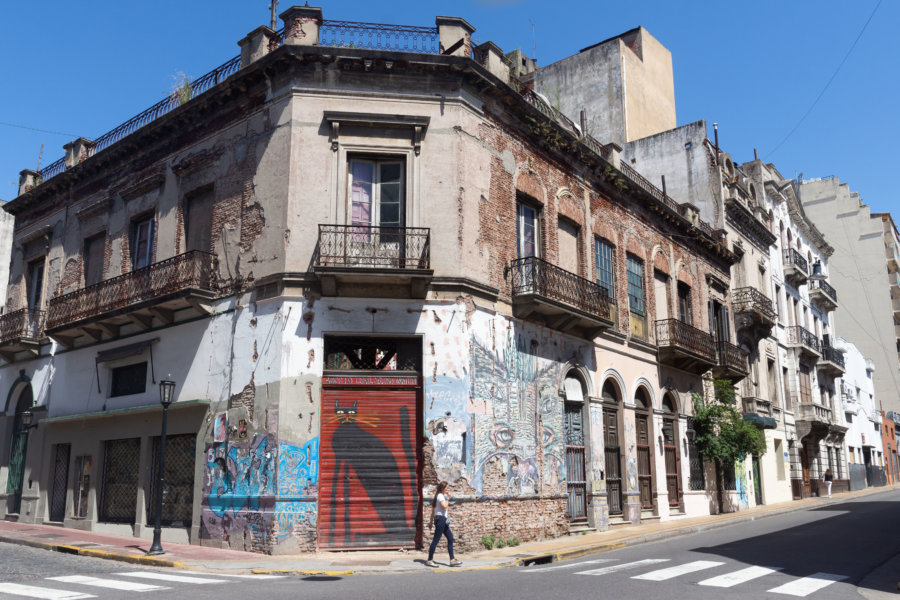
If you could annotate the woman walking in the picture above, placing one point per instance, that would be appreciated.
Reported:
(441, 525)
(829, 479)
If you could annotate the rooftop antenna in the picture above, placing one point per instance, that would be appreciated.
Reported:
(533, 51)
(274, 18)
(40, 155)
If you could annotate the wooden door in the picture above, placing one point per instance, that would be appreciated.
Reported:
(671, 451)
(804, 469)
(613, 461)
(645, 471)
(369, 481)
(576, 505)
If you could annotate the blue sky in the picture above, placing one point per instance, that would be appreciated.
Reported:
(81, 68)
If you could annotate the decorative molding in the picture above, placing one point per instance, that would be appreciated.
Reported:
(102, 205)
(416, 124)
(142, 187)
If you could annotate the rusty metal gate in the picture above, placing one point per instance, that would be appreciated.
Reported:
(645, 472)
(613, 461)
(576, 505)
(370, 476)
(118, 493)
(60, 483)
(671, 451)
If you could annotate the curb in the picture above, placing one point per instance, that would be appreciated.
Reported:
(94, 553)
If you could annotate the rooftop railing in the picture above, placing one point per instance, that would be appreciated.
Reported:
(379, 36)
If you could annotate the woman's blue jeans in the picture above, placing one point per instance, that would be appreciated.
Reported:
(441, 527)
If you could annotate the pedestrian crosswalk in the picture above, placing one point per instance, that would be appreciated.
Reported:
(798, 587)
(76, 587)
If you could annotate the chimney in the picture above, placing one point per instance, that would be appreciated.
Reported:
(492, 59)
(301, 25)
(256, 44)
(77, 151)
(455, 36)
(28, 180)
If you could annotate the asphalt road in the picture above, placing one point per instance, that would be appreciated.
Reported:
(823, 553)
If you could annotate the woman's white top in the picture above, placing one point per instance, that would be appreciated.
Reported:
(439, 510)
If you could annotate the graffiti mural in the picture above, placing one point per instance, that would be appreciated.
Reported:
(239, 488)
(298, 469)
(598, 483)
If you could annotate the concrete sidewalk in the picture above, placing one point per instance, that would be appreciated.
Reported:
(132, 550)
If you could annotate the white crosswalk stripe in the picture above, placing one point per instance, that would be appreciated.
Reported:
(737, 577)
(170, 577)
(31, 591)
(570, 565)
(623, 566)
(113, 584)
(807, 585)
(672, 572)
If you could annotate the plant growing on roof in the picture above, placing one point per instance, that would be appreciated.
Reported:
(182, 90)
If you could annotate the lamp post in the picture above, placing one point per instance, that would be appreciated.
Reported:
(166, 394)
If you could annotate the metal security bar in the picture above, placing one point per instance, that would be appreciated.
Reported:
(749, 299)
(379, 36)
(191, 270)
(533, 275)
(368, 247)
(675, 333)
(178, 481)
(802, 336)
(27, 323)
(60, 483)
(118, 488)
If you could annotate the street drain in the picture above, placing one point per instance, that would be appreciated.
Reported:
(544, 559)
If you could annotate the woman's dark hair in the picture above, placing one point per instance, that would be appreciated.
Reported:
(439, 490)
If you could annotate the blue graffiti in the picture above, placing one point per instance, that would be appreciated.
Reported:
(288, 515)
(298, 468)
(241, 478)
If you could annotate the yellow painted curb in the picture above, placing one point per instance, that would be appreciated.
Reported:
(308, 572)
(129, 558)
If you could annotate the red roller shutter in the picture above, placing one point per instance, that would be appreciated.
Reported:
(369, 473)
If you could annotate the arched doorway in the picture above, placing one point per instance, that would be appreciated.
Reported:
(670, 448)
(18, 446)
(611, 448)
(644, 455)
(576, 478)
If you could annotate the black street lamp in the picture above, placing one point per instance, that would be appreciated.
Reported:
(166, 394)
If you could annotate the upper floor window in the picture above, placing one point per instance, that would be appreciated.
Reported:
(198, 221)
(635, 270)
(718, 321)
(94, 247)
(527, 231)
(141, 243)
(377, 192)
(604, 259)
(129, 379)
(35, 283)
(684, 303)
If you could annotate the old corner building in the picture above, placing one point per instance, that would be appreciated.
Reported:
(366, 271)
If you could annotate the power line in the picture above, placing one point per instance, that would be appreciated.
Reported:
(833, 75)
(72, 135)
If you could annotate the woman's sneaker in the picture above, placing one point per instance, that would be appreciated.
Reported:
(431, 563)
(455, 563)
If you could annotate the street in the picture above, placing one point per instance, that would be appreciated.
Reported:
(822, 553)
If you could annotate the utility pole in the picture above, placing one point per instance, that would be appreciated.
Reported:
(274, 18)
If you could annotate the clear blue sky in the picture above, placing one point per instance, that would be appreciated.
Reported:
(81, 68)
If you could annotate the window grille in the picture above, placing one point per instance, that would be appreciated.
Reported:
(118, 494)
(178, 486)
(373, 354)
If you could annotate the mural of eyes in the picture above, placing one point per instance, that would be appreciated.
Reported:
(502, 435)
(548, 404)
(548, 437)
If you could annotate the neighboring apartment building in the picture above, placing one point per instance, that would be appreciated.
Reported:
(367, 270)
(889, 448)
(860, 406)
(866, 268)
(6, 238)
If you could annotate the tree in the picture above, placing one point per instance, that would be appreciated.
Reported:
(722, 434)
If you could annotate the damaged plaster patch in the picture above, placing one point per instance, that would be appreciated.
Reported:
(245, 399)
(308, 319)
(509, 162)
(253, 221)
(312, 357)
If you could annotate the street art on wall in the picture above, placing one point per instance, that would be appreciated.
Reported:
(220, 428)
(598, 479)
(298, 479)
(239, 488)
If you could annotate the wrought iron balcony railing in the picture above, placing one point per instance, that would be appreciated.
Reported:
(23, 324)
(365, 247)
(821, 284)
(672, 333)
(750, 299)
(830, 354)
(800, 336)
(191, 270)
(792, 257)
(534, 276)
(731, 359)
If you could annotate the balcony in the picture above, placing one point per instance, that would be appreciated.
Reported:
(731, 363)
(804, 340)
(358, 260)
(832, 362)
(685, 347)
(894, 280)
(753, 312)
(561, 298)
(823, 294)
(136, 298)
(895, 303)
(812, 420)
(890, 253)
(796, 269)
(21, 331)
